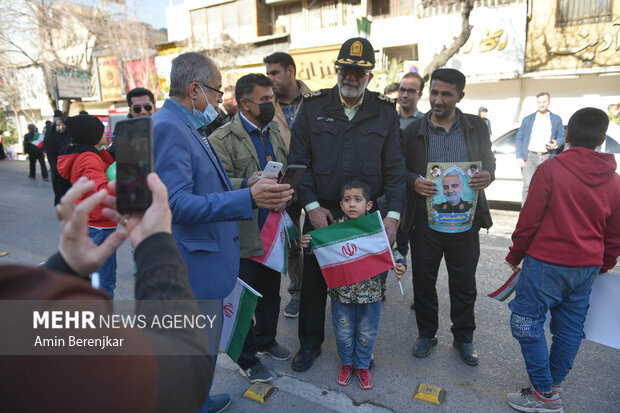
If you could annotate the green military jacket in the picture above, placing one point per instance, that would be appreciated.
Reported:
(238, 155)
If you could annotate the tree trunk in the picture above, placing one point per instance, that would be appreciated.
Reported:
(441, 58)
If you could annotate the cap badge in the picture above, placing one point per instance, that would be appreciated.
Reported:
(356, 49)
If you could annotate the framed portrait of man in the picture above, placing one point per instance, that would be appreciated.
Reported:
(453, 207)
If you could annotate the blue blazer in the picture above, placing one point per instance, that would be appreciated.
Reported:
(204, 206)
(525, 131)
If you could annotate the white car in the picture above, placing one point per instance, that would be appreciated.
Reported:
(508, 184)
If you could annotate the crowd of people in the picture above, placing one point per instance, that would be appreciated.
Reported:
(363, 154)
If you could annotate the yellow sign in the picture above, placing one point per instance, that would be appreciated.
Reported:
(315, 66)
(109, 79)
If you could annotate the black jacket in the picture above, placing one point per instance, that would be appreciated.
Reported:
(415, 140)
(336, 149)
(52, 142)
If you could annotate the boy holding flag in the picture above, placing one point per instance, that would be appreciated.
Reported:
(356, 308)
(568, 232)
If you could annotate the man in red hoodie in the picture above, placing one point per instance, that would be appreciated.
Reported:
(568, 232)
(87, 157)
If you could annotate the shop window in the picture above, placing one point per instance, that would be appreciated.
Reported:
(583, 11)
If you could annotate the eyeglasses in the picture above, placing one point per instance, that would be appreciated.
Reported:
(138, 108)
(219, 92)
(357, 72)
(410, 91)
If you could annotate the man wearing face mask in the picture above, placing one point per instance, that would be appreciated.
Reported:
(205, 206)
(55, 138)
(339, 134)
(245, 145)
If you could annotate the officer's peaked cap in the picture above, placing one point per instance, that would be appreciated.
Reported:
(357, 52)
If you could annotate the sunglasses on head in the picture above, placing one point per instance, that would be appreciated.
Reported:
(138, 108)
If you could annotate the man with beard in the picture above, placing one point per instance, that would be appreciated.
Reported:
(55, 138)
(445, 134)
(339, 134)
(288, 95)
(452, 185)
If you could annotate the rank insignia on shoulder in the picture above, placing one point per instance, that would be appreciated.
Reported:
(386, 99)
(315, 93)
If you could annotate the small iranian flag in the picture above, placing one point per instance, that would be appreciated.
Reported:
(507, 289)
(276, 234)
(238, 309)
(352, 251)
(37, 140)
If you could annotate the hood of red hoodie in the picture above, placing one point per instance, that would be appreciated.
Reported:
(591, 167)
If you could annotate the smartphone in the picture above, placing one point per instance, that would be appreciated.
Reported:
(272, 167)
(134, 161)
(293, 175)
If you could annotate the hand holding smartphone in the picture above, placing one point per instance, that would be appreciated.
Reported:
(272, 167)
(293, 175)
(134, 161)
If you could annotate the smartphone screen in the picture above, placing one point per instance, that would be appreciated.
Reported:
(134, 161)
(293, 175)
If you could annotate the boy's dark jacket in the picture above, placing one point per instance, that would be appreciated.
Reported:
(84, 160)
(415, 139)
(571, 215)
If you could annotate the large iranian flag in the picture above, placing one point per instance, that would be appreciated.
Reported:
(238, 309)
(277, 233)
(352, 251)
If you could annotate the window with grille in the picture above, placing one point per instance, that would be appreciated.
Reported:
(583, 11)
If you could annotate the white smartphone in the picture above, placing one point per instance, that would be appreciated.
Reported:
(272, 167)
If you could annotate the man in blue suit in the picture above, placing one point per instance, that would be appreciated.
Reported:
(205, 209)
(540, 136)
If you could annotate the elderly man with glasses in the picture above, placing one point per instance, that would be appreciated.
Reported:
(339, 134)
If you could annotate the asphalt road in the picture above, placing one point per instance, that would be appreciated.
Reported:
(29, 233)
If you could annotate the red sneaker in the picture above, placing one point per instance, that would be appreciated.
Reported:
(363, 379)
(345, 375)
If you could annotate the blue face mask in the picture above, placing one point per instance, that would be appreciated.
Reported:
(209, 115)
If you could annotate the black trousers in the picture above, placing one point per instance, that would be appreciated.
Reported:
(33, 158)
(461, 252)
(60, 185)
(262, 333)
(311, 330)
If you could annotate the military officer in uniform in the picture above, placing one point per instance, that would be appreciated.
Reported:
(341, 133)
(452, 184)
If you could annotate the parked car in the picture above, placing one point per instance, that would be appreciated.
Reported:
(508, 184)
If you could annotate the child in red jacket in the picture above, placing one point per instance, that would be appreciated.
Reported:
(87, 157)
(568, 232)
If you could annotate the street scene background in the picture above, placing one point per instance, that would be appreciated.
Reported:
(29, 232)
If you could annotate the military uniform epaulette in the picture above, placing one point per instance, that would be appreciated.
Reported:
(316, 93)
(385, 99)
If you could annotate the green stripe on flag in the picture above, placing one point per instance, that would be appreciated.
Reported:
(345, 231)
(245, 312)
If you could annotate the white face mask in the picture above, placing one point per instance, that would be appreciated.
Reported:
(209, 114)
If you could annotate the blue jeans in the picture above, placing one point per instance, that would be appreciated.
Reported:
(565, 292)
(355, 328)
(107, 273)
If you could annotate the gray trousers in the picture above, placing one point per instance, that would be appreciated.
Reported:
(531, 163)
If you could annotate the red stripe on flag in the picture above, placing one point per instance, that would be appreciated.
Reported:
(268, 235)
(506, 284)
(360, 269)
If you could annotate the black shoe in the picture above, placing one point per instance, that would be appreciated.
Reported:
(423, 346)
(46, 179)
(257, 373)
(467, 352)
(304, 358)
(31, 177)
(413, 305)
